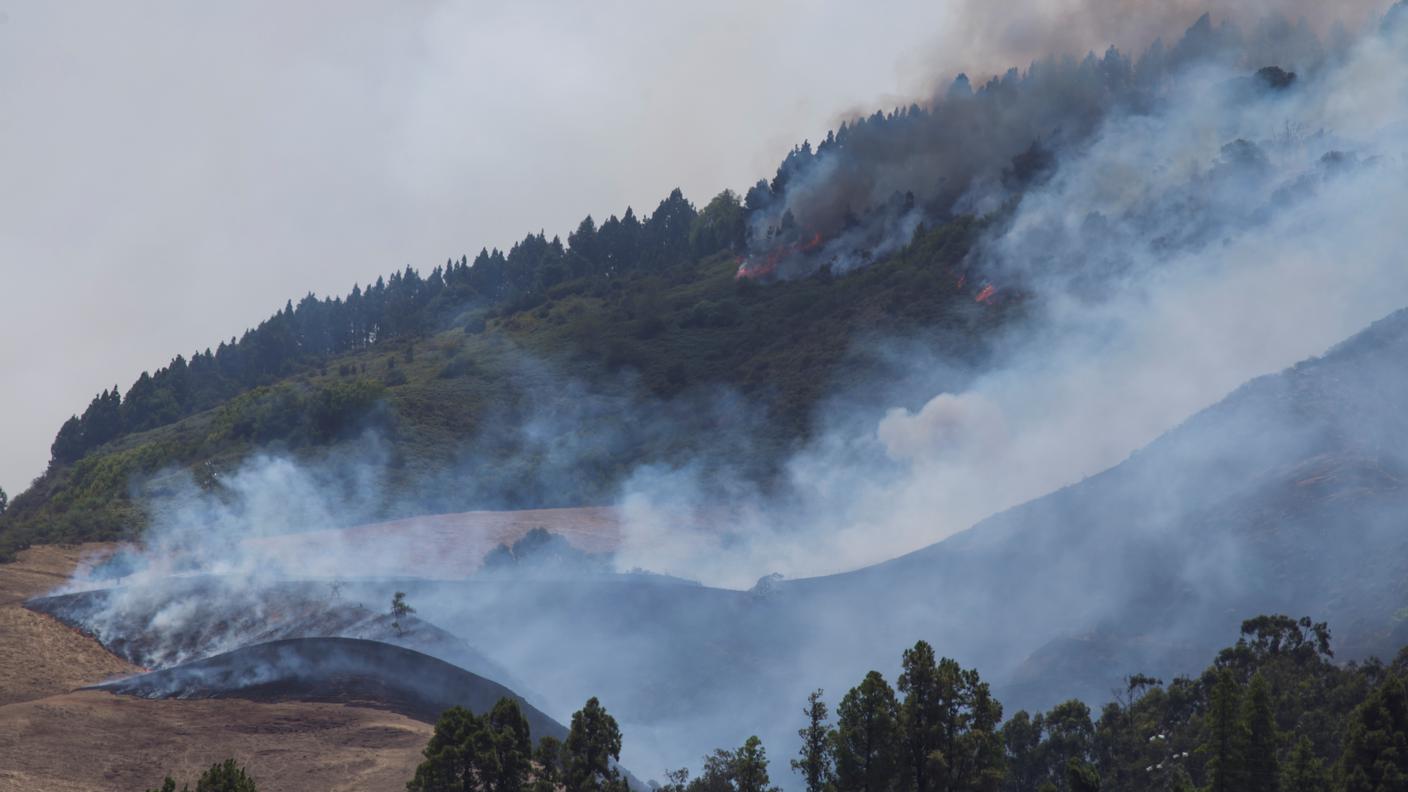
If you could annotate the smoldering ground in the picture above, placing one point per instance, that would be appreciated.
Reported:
(1222, 233)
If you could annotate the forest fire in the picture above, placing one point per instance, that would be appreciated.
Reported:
(755, 267)
(985, 296)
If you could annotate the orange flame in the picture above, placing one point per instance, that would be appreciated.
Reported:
(986, 294)
(748, 268)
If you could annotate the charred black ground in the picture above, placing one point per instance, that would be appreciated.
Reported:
(339, 670)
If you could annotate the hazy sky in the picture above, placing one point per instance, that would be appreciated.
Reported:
(173, 172)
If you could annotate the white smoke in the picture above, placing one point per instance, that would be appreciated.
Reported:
(987, 38)
(1230, 233)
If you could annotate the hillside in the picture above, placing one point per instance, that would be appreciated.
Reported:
(343, 670)
(525, 401)
(542, 375)
(1255, 505)
(97, 740)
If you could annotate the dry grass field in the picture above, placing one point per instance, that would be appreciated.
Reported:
(55, 738)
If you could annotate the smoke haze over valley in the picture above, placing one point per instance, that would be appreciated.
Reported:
(1084, 349)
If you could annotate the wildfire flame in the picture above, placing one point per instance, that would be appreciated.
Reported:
(986, 294)
(751, 267)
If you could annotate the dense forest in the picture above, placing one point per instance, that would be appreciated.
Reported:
(1273, 713)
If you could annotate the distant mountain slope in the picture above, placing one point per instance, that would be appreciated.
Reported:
(1288, 496)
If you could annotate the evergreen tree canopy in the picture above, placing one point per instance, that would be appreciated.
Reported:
(593, 745)
(466, 753)
(1375, 755)
(814, 760)
(866, 740)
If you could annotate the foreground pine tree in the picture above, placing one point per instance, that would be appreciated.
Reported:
(473, 754)
(814, 760)
(1260, 769)
(1375, 755)
(1226, 741)
(866, 740)
(593, 746)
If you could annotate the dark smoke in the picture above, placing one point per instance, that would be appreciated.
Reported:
(865, 189)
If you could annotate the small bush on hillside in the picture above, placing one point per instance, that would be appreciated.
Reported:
(708, 313)
(458, 366)
(226, 776)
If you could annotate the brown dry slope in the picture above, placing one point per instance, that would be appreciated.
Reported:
(38, 655)
(91, 740)
(54, 739)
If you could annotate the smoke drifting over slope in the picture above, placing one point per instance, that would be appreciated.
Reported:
(1222, 227)
(990, 37)
(862, 192)
(1227, 231)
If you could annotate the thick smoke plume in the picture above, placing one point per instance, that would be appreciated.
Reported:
(1227, 230)
(990, 37)
(969, 147)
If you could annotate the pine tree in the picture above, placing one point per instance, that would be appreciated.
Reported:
(750, 768)
(452, 762)
(1261, 772)
(225, 776)
(400, 609)
(1225, 736)
(1022, 741)
(1081, 777)
(922, 717)
(984, 761)
(1375, 757)
(1070, 735)
(1304, 772)
(814, 760)
(511, 746)
(548, 760)
(866, 739)
(593, 743)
